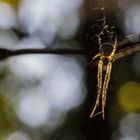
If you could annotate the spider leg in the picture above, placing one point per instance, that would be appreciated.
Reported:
(99, 86)
(97, 55)
(105, 86)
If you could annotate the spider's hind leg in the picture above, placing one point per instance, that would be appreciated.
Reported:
(99, 85)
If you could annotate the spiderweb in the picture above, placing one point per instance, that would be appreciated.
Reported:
(104, 30)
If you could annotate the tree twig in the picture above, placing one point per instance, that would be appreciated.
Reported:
(127, 41)
(6, 53)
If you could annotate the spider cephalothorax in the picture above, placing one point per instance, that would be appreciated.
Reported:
(106, 49)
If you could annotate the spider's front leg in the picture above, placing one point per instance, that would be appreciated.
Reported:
(105, 86)
(99, 86)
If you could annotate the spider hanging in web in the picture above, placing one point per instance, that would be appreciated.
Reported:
(108, 46)
(108, 53)
(106, 56)
(107, 42)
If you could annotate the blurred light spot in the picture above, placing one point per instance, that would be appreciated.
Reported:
(58, 80)
(129, 138)
(125, 4)
(68, 30)
(18, 136)
(28, 66)
(38, 20)
(46, 18)
(128, 132)
(30, 42)
(129, 128)
(8, 39)
(129, 96)
(67, 84)
(136, 63)
(132, 20)
(55, 119)
(7, 16)
(13, 3)
(32, 109)
(70, 135)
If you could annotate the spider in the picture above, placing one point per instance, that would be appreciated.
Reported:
(106, 56)
(108, 53)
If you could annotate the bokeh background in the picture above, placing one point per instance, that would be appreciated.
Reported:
(50, 97)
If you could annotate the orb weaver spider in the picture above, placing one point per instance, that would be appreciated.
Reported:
(108, 53)
(106, 56)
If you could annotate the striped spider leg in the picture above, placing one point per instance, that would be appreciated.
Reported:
(106, 56)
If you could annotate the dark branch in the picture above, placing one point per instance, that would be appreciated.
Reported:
(6, 53)
(128, 41)
(127, 51)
